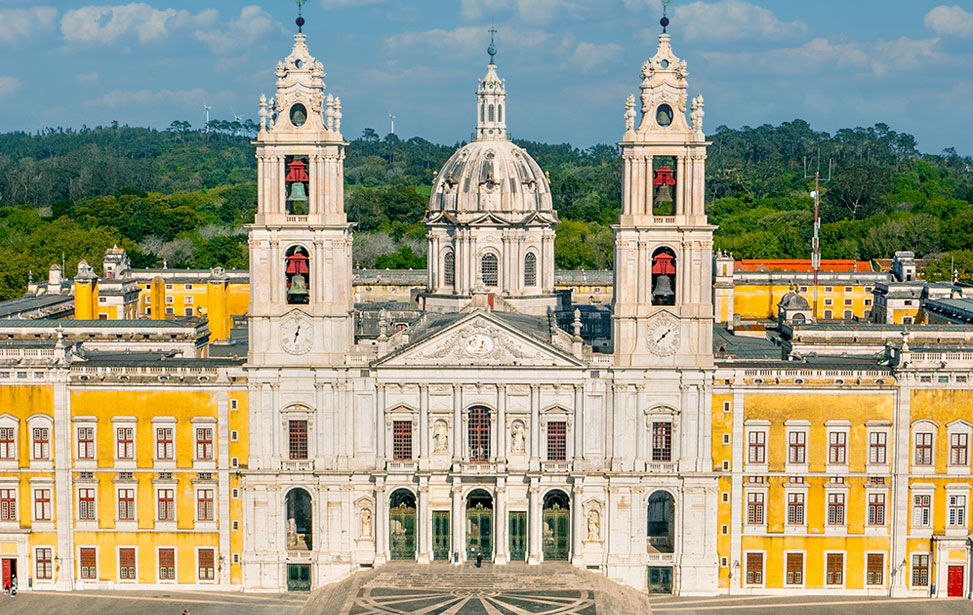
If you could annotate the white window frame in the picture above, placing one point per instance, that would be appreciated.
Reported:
(959, 427)
(830, 490)
(803, 582)
(844, 569)
(837, 427)
(175, 564)
(794, 427)
(125, 422)
(880, 529)
(166, 524)
(77, 555)
(216, 566)
(201, 422)
(125, 524)
(763, 568)
(12, 484)
(923, 427)
(85, 422)
(877, 428)
(789, 490)
(957, 490)
(922, 524)
(754, 528)
(215, 503)
(86, 523)
(9, 421)
(36, 484)
(118, 564)
(883, 569)
(754, 426)
(164, 422)
(41, 421)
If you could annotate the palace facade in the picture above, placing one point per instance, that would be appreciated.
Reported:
(657, 440)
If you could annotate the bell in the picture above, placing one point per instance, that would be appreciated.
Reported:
(297, 293)
(663, 194)
(663, 289)
(297, 201)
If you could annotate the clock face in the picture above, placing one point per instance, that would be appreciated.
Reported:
(663, 336)
(295, 335)
(479, 344)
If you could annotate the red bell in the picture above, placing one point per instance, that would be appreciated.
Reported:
(662, 264)
(297, 263)
(296, 172)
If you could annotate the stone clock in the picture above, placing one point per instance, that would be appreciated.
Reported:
(663, 337)
(295, 335)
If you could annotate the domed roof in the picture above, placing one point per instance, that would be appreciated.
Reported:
(793, 301)
(494, 176)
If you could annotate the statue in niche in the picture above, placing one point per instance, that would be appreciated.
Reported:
(517, 437)
(440, 438)
(366, 523)
(594, 525)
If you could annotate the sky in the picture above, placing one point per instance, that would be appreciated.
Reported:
(568, 64)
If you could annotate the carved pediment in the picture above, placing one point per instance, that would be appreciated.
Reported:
(479, 340)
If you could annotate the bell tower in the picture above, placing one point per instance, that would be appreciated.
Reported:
(662, 309)
(300, 241)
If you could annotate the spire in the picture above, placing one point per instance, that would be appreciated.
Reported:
(300, 16)
(491, 101)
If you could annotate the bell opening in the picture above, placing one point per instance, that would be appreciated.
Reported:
(663, 186)
(297, 269)
(296, 182)
(663, 277)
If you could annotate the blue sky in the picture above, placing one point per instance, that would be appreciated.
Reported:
(569, 64)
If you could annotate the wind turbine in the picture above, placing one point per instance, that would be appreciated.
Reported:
(237, 118)
(206, 109)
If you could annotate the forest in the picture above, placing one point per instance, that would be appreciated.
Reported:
(183, 197)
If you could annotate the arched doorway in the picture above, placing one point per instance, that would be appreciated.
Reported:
(479, 524)
(299, 519)
(557, 525)
(402, 524)
(661, 526)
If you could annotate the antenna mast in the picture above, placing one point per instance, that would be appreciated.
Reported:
(815, 240)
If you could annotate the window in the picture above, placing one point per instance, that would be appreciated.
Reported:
(756, 446)
(876, 509)
(795, 568)
(923, 456)
(920, 570)
(42, 504)
(795, 509)
(849, 302)
(187, 311)
(957, 510)
(796, 441)
(164, 448)
(8, 447)
(187, 300)
(126, 564)
(41, 437)
(8, 504)
(479, 434)
(557, 441)
(167, 504)
(828, 289)
(125, 443)
(204, 504)
(86, 504)
(755, 568)
(297, 439)
(204, 443)
(89, 562)
(126, 504)
(449, 269)
(836, 447)
(921, 510)
(663, 282)
(530, 269)
(206, 564)
(45, 568)
(848, 315)
(835, 569)
(874, 568)
(170, 299)
(167, 564)
(957, 449)
(662, 441)
(86, 442)
(828, 315)
(829, 302)
(877, 441)
(836, 509)
(402, 440)
(755, 508)
(488, 270)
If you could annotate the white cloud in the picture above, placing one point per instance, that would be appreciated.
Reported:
(821, 55)
(87, 78)
(106, 24)
(340, 4)
(949, 21)
(467, 41)
(253, 24)
(9, 85)
(589, 55)
(21, 24)
(534, 12)
(148, 98)
(729, 20)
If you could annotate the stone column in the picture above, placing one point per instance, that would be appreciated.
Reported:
(457, 423)
(535, 428)
(275, 424)
(457, 551)
(276, 284)
(578, 452)
(534, 525)
(681, 177)
(423, 427)
(577, 525)
(640, 429)
(381, 522)
(499, 522)
(502, 424)
(322, 444)
(380, 427)
(424, 522)
(338, 438)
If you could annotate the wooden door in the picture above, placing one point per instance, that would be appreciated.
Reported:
(954, 581)
(8, 571)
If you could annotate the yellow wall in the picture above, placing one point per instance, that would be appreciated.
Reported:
(759, 301)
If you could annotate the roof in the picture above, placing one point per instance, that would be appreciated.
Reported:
(802, 265)
(27, 304)
(42, 323)
(726, 345)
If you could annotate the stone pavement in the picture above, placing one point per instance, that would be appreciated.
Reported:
(809, 605)
(553, 588)
(150, 603)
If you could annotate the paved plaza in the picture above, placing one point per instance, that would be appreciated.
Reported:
(808, 605)
(150, 603)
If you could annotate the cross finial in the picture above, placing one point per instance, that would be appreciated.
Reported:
(492, 49)
(665, 18)
(300, 15)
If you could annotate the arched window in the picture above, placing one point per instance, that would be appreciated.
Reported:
(499, 113)
(663, 277)
(490, 113)
(556, 525)
(449, 268)
(530, 269)
(298, 522)
(481, 112)
(479, 433)
(489, 270)
(661, 527)
(297, 273)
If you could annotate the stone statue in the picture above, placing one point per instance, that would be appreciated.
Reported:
(366, 523)
(440, 438)
(517, 437)
(594, 525)
(630, 113)
(697, 113)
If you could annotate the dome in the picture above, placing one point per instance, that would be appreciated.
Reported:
(793, 301)
(491, 175)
